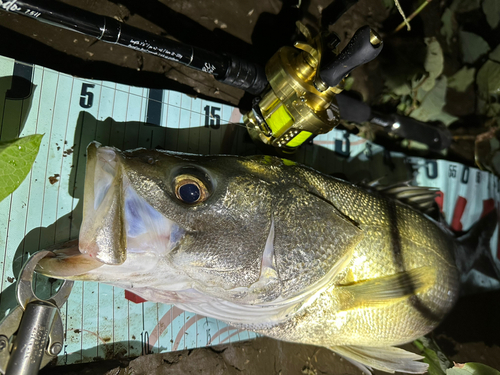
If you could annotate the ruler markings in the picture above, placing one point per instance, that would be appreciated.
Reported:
(61, 115)
(133, 122)
(66, 131)
(190, 331)
(9, 129)
(193, 135)
(166, 114)
(90, 317)
(150, 321)
(74, 323)
(155, 100)
(45, 121)
(6, 72)
(30, 243)
(158, 132)
(121, 322)
(49, 205)
(105, 326)
(173, 119)
(164, 333)
(185, 114)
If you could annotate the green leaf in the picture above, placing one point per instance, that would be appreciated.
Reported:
(493, 110)
(462, 79)
(431, 107)
(445, 118)
(447, 28)
(389, 4)
(433, 63)
(349, 81)
(488, 79)
(472, 368)
(463, 6)
(433, 355)
(402, 90)
(491, 9)
(473, 46)
(16, 159)
(397, 85)
(495, 54)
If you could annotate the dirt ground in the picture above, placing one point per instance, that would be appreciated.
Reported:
(253, 30)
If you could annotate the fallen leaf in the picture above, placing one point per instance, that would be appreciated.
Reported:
(389, 4)
(431, 107)
(16, 159)
(447, 28)
(401, 90)
(462, 79)
(472, 368)
(491, 9)
(445, 118)
(438, 363)
(495, 54)
(488, 79)
(349, 81)
(493, 110)
(487, 151)
(473, 46)
(434, 62)
(463, 6)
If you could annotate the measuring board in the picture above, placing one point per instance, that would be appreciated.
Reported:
(100, 321)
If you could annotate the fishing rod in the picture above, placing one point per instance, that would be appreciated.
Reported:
(296, 93)
(226, 69)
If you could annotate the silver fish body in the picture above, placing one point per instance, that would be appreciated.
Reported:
(268, 245)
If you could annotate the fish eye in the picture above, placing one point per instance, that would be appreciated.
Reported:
(190, 189)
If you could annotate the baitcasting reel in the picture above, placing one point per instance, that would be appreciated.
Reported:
(299, 101)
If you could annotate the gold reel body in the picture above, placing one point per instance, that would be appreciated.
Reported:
(296, 104)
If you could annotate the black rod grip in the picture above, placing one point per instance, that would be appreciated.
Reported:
(358, 51)
(436, 136)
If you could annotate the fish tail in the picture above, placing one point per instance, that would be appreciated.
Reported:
(388, 359)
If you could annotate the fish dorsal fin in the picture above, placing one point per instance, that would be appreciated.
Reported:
(421, 198)
(388, 359)
(385, 289)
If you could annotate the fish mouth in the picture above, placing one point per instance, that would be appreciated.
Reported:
(118, 224)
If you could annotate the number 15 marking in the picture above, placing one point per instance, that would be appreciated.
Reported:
(212, 119)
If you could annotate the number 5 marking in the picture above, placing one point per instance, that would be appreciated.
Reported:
(86, 96)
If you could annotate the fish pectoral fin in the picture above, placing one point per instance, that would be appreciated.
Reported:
(386, 289)
(388, 359)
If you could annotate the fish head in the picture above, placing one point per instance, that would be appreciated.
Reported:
(230, 227)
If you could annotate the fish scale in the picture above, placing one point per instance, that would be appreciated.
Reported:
(380, 325)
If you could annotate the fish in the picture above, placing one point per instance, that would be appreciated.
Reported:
(265, 244)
